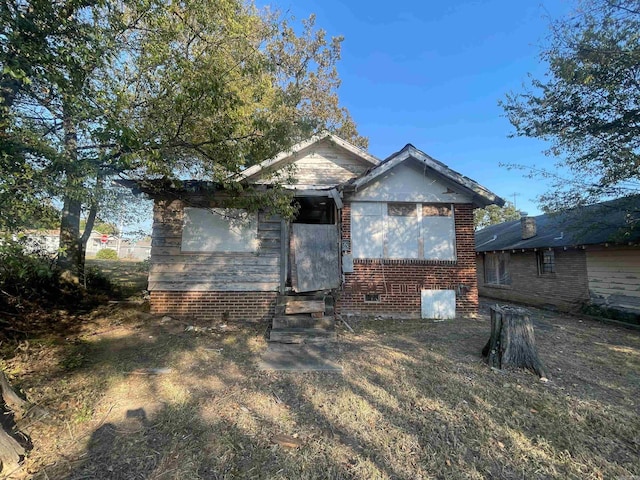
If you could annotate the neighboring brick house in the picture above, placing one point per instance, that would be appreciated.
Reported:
(567, 260)
(386, 238)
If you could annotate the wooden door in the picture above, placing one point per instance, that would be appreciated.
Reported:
(315, 257)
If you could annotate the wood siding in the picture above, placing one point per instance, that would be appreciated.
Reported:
(324, 163)
(174, 270)
(614, 277)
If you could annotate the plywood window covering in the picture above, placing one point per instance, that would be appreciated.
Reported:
(219, 230)
(496, 268)
(403, 231)
(546, 262)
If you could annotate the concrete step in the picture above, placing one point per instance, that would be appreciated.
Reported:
(303, 321)
(302, 335)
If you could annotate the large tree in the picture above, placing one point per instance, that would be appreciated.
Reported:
(493, 214)
(588, 104)
(152, 88)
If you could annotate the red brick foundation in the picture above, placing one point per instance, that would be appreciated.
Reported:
(399, 282)
(215, 306)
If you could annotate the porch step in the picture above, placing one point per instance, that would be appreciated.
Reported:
(303, 321)
(302, 335)
(293, 305)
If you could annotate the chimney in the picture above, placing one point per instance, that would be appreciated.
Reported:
(528, 225)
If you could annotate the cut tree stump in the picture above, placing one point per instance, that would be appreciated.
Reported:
(11, 451)
(512, 343)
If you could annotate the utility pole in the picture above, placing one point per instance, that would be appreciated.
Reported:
(514, 195)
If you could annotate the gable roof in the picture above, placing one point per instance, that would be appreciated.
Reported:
(481, 196)
(616, 221)
(283, 158)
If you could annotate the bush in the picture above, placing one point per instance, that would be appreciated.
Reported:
(96, 281)
(26, 274)
(107, 254)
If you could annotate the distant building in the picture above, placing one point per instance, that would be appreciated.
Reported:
(49, 241)
(585, 255)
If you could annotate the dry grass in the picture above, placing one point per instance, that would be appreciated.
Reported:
(415, 401)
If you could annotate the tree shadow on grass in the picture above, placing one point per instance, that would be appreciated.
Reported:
(410, 404)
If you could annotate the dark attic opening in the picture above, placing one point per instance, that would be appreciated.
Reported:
(315, 210)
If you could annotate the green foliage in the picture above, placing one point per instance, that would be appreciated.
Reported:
(107, 254)
(26, 274)
(587, 106)
(148, 89)
(99, 226)
(493, 214)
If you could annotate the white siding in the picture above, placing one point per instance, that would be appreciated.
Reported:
(407, 183)
(614, 277)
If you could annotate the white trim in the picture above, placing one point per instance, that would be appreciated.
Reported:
(281, 157)
(481, 196)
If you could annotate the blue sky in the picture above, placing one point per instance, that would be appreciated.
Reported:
(431, 74)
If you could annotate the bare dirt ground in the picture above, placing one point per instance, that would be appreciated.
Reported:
(133, 396)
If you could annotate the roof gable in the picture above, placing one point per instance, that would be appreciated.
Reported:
(332, 169)
(478, 195)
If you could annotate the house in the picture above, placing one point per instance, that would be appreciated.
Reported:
(587, 255)
(48, 241)
(392, 237)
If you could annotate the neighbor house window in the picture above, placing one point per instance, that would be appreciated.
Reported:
(546, 262)
(496, 269)
(402, 230)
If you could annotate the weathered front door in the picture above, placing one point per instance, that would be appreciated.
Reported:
(315, 257)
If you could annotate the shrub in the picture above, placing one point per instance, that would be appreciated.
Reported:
(96, 281)
(25, 273)
(107, 254)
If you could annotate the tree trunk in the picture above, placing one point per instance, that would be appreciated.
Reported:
(512, 342)
(11, 451)
(71, 258)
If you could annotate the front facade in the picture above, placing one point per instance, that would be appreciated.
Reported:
(392, 238)
(588, 256)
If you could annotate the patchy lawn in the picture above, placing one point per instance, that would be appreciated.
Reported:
(135, 397)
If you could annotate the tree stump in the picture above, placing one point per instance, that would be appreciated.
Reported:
(11, 451)
(512, 343)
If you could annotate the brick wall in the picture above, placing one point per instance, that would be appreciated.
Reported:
(215, 306)
(565, 289)
(398, 282)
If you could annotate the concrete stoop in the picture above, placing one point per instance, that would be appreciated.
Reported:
(302, 335)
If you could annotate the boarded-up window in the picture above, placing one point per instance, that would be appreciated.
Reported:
(438, 232)
(219, 230)
(403, 230)
(367, 230)
(496, 269)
